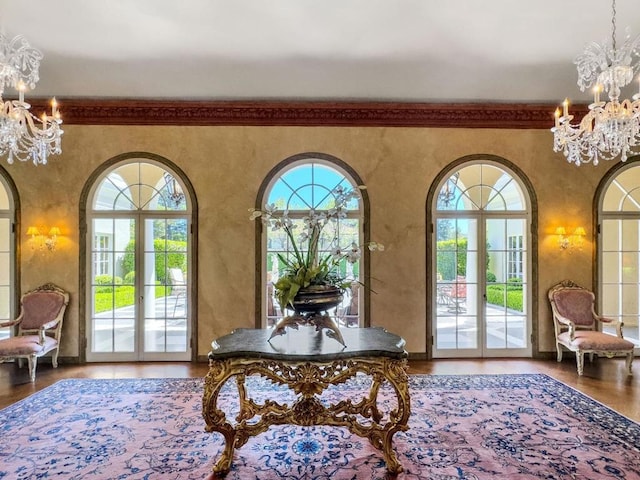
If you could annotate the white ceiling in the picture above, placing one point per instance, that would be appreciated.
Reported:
(386, 50)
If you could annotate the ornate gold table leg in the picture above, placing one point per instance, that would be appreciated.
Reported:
(215, 419)
(381, 436)
(308, 380)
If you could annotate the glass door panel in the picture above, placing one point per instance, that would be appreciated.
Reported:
(5, 272)
(165, 289)
(506, 327)
(456, 321)
(114, 306)
(620, 288)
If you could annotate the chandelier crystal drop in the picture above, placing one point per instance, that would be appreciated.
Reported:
(609, 129)
(23, 136)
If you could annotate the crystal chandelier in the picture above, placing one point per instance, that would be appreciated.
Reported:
(24, 136)
(609, 129)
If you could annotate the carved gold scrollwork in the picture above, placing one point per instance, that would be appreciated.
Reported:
(308, 380)
(306, 411)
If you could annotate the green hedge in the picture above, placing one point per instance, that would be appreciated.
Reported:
(450, 264)
(176, 257)
(514, 301)
(107, 281)
(452, 259)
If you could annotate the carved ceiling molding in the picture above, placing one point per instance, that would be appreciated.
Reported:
(373, 114)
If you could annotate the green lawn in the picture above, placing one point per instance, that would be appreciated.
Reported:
(105, 299)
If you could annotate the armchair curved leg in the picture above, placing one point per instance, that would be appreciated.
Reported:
(54, 358)
(559, 350)
(629, 363)
(580, 362)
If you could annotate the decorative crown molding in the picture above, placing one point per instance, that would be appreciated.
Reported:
(371, 114)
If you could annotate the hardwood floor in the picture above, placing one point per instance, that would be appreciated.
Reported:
(604, 380)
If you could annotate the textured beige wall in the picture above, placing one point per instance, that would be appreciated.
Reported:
(226, 166)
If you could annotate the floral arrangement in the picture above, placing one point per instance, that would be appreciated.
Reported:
(305, 267)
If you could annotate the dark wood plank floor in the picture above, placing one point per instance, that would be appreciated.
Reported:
(604, 380)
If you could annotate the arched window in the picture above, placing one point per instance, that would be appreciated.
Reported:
(481, 262)
(619, 249)
(138, 275)
(7, 252)
(300, 184)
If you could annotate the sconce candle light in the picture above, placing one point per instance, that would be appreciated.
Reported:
(563, 240)
(573, 241)
(39, 241)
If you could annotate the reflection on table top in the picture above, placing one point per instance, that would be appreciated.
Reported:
(307, 344)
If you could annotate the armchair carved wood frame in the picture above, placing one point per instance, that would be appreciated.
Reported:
(39, 327)
(578, 327)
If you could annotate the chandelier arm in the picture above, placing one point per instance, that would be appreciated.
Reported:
(23, 136)
(21, 64)
(613, 24)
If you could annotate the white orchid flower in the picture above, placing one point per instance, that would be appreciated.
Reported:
(375, 246)
(286, 221)
(315, 219)
(276, 224)
(353, 255)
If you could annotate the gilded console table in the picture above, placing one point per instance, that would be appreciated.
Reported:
(308, 363)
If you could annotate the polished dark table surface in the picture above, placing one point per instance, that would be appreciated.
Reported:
(307, 344)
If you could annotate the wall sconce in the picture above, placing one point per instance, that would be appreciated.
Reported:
(42, 242)
(578, 237)
(563, 240)
(572, 241)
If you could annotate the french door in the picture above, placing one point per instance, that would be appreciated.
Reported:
(481, 293)
(142, 316)
(7, 256)
(619, 251)
(137, 268)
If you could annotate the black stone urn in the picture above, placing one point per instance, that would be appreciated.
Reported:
(316, 298)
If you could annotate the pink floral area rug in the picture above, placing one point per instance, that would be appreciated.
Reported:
(475, 427)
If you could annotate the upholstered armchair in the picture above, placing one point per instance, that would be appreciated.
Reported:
(578, 327)
(39, 327)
